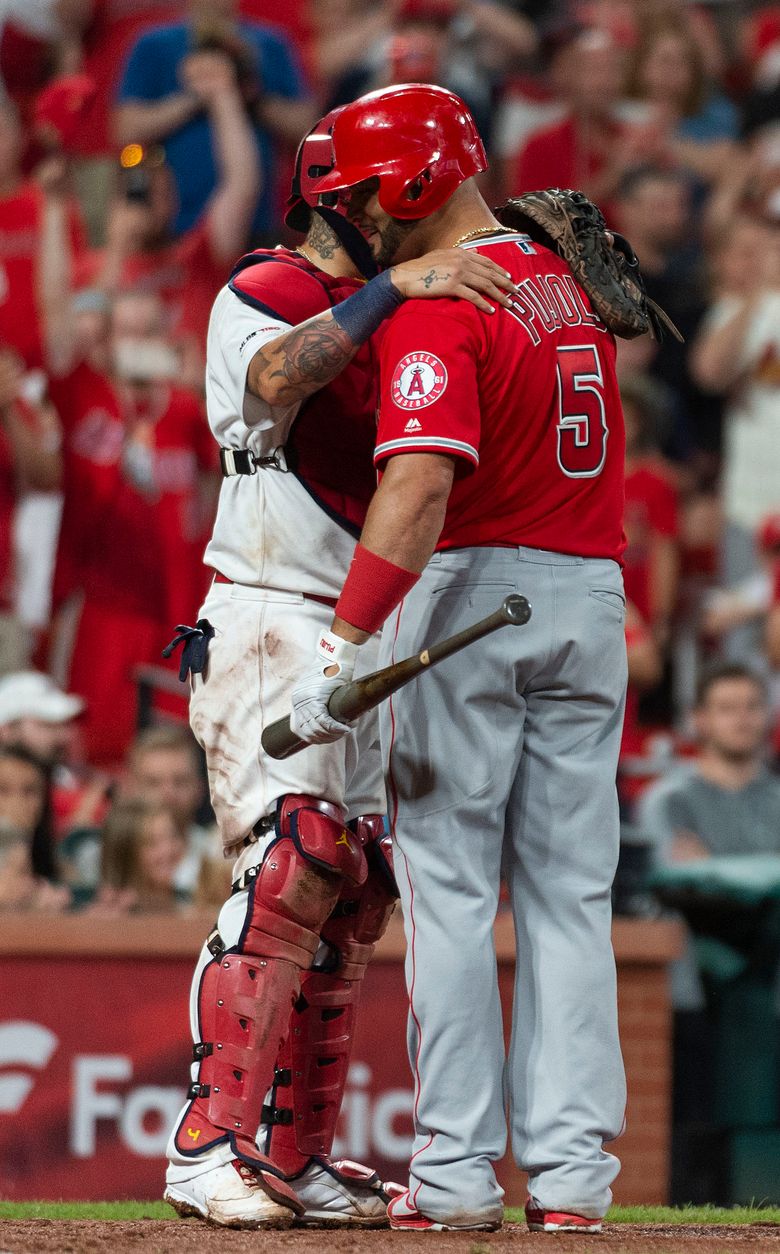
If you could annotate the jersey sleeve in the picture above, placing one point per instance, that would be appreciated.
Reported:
(236, 332)
(429, 397)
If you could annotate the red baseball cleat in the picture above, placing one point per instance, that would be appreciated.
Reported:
(541, 1220)
(404, 1216)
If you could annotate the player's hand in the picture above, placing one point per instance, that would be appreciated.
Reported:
(311, 719)
(455, 272)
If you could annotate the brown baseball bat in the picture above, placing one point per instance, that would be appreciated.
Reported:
(352, 700)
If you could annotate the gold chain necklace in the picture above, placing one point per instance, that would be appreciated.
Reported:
(483, 230)
(306, 256)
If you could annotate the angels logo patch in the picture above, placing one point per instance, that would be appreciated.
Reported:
(418, 380)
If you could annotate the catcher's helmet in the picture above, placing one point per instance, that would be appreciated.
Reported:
(314, 159)
(420, 140)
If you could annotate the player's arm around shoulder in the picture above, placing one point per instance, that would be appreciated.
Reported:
(306, 358)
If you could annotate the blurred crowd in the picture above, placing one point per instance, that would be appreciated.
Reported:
(144, 146)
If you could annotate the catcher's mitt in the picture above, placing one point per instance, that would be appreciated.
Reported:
(603, 263)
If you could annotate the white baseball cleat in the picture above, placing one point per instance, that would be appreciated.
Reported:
(232, 1195)
(342, 1194)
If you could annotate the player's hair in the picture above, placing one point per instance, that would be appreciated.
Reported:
(721, 672)
(170, 738)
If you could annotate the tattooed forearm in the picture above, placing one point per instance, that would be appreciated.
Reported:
(301, 361)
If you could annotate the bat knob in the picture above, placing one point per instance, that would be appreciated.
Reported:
(516, 610)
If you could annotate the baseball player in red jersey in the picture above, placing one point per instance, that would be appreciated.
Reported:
(500, 447)
(276, 988)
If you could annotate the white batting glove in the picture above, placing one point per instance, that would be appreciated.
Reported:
(310, 718)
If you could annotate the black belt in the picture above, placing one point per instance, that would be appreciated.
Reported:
(241, 461)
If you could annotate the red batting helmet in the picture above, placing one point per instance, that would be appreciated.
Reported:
(420, 140)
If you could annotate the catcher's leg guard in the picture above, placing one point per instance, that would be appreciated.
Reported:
(312, 1068)
(247, 992)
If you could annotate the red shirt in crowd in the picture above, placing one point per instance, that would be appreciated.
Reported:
(183, 273)
(526, 401)
(564, 155)
(20, 226)
(114, 27)
(131, 535)
(651, 511)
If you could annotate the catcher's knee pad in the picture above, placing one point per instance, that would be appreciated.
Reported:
(312, 1069)
(247, 992)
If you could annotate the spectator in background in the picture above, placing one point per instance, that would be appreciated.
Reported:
(28, 873)
(651, 570)
(169, 91)
(39, 716)
(34, 38)
(727, 801)
(465, 45)
(99, 43)
(140, 253)
(653, 210)
(165, 768)
(762, 57)
(141, 850)
(750, 600)
(138, 480)
(35, 713)
(680, 116)
(737, 355)
(29, 459)
(21, 211)
(587, 149)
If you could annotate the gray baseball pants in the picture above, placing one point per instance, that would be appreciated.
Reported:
(502, 761)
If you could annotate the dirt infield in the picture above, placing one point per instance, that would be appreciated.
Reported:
(48, 1236)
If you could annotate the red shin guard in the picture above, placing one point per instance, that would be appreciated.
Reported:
(312, 1068)
(247, 993)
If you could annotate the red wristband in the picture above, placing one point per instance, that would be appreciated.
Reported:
(372, 590)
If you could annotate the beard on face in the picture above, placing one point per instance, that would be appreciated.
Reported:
(392, 235)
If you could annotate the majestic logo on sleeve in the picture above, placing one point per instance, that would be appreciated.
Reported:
(418, 380)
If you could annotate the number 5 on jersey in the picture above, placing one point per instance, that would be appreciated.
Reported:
(582, 427)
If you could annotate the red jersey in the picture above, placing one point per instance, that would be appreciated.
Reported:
(563, 155)
(20, 225)
(131, 537)
(525, 400)
(651, 510)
